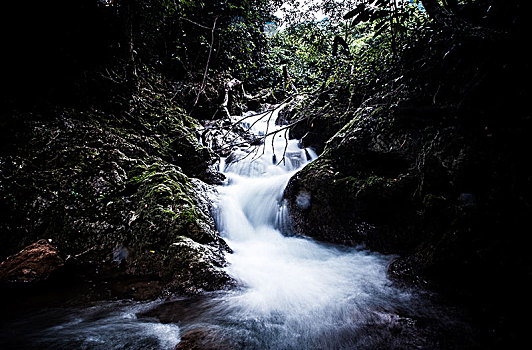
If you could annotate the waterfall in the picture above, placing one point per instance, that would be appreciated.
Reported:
(295, 292)
(292, 292)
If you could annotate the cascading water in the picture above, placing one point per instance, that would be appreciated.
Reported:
(294, 293)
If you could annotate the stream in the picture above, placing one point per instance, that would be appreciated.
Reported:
(294, 292)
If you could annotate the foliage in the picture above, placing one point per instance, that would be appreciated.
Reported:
(357, 41)
(180, 32)
(92, 49)
(347, 47)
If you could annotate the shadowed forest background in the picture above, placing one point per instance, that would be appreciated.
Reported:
(419, 112)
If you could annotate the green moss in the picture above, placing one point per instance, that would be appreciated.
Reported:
(91, 182)
(77, 157)
(189, 216)
(157, 173)
(373, 181)
(377, 111)
(166, 209)
(319, 166)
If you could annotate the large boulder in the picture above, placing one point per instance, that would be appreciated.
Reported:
(109, 195)
(360, 189)
(194, 268)
(414, 180)
(433, 167)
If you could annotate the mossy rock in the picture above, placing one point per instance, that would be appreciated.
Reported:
(95, 188)
(348, 209)
(193, 267)
(367, 187)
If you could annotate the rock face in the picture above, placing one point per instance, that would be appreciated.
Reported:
(432, 168)
(432, 174)
(450, 202)
(430, 190)
(35, 263)
(195, 267)
(110, 195)
(360, 189)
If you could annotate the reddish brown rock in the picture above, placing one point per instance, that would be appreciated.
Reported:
(34, 263)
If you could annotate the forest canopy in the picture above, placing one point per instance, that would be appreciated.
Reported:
(68, 50)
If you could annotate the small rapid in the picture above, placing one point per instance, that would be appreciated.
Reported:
(298, 292)
(102, 325)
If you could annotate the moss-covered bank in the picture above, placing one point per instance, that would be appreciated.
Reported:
(433, 168)
(113, 195)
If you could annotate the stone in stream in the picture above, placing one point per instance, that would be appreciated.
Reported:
(193, 267)
(203, 339)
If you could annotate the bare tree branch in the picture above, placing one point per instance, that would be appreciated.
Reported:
(202, 88)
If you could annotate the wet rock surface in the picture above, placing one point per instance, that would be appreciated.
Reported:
(203, 339)
(359, 190)
(193, 267)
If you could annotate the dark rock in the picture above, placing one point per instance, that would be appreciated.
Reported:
(203, 339)
(285, 115)
(194, 268)
(439, 176)
(212, 176)
(330, 206)
(386, 184)
(35, 263)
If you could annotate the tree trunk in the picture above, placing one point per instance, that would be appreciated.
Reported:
(131, 67)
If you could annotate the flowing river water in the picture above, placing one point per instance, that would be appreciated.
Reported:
(294, 293)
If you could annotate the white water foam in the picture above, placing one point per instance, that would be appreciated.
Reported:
(293, 284)
(296, 293)
(106, 325)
